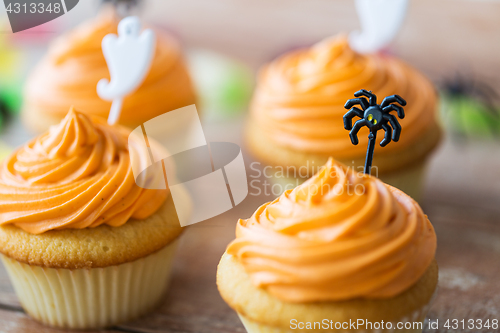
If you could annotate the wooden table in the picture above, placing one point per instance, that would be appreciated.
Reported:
(462, 201)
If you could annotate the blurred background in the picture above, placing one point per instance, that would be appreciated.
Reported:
(438, 36)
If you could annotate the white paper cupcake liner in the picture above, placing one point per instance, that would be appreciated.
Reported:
(416, 316)
(92, 298)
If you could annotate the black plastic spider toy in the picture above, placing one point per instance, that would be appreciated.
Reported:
(375, 117)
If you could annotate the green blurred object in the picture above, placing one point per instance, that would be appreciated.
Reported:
(471, 108)
(224, 85)
(11, 95)
(469, 117)
(10, 80)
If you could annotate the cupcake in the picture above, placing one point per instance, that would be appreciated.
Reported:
(69, 73)
(296, 114)
(84, 246)
(342, 247)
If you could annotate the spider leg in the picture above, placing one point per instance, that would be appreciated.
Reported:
(353, 134)
(353, 112)
(395, 125)
(391, 99)
(387, 135)
(366, 93)
(394, 107)
(357, 101)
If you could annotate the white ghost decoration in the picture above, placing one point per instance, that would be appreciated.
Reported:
(128, 56)
(380, 22)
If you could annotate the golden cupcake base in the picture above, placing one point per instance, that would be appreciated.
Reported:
(261, 312)
(94, 277)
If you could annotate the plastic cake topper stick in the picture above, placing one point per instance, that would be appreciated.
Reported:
(129, 56)
(375, 117)
(380, 22)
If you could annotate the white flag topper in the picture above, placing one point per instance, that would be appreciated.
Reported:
(129, 56)
(380, 22)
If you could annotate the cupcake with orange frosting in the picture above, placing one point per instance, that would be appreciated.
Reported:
(341, 247)
(69, 73)
(85, 247)
(297, 109)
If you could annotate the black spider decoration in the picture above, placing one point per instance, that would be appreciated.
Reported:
(375, 117)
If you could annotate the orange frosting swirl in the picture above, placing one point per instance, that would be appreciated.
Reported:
(300, 97)
(340, 235)
(69, 73)
(78, 175)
